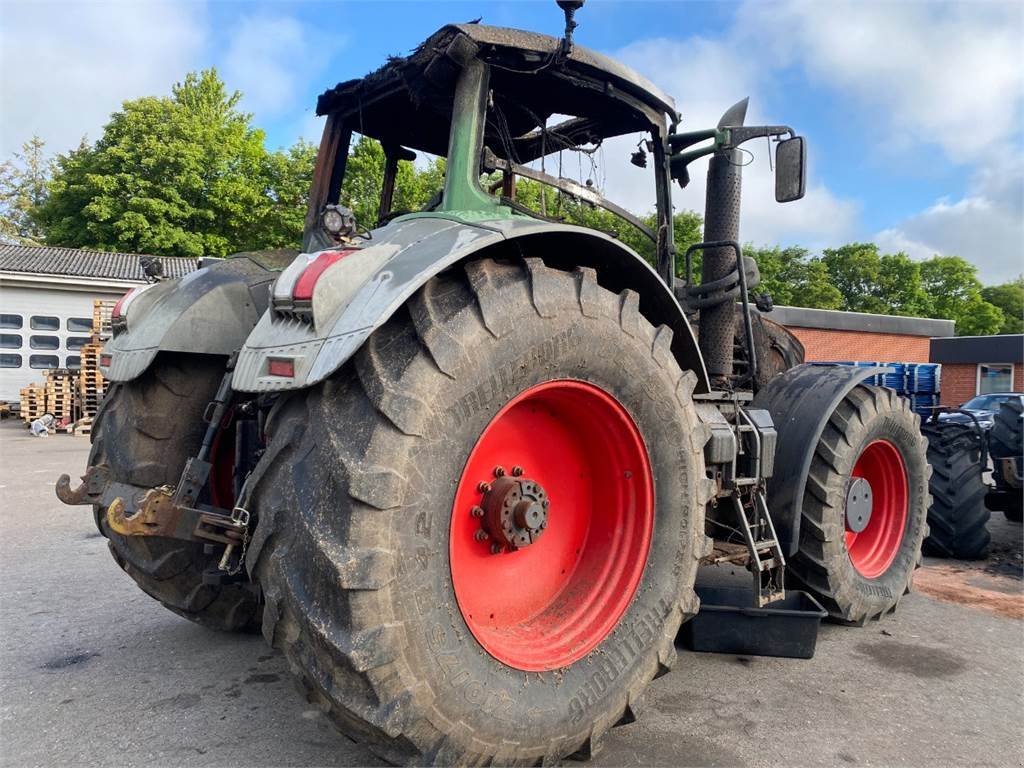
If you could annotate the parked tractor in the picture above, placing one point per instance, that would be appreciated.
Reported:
(960, 450)
(461, 464)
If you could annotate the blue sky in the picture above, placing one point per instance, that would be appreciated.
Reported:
(912, 110)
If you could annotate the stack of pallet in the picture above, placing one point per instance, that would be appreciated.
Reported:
(101, 311)
(33, 402)
(91, 384)
(60, 394)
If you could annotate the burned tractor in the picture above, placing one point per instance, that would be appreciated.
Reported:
(461, 464)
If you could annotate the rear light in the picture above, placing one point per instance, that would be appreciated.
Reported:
(279, 367)
(307, 280)
(105, 360)
(120, 307)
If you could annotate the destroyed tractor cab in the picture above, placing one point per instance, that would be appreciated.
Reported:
(463, 465)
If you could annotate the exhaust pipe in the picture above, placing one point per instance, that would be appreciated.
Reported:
(721, 222)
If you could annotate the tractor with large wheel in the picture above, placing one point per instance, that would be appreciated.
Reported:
(461, 464)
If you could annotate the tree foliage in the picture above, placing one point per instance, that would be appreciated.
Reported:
(185, 175)
(1009, 297)
(24, 179)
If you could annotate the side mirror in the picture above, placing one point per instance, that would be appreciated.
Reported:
(790, 170)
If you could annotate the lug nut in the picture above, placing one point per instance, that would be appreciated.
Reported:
(495, 549)
(517, 471)
(481, 535)
(499, 471)
(477, 512)
(484, 487)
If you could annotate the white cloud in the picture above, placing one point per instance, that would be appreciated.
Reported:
(271, 59)
(936, 73)
(64, 67)
(986, 226)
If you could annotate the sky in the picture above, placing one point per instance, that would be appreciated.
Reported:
(913, 111)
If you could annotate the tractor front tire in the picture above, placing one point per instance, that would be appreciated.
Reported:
(423, 637)
(958, 517)
(145, 431)
(871, 442)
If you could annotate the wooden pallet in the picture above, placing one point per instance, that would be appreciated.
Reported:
(31, 402)
(91, 384)
(101, 311)
(81, 427)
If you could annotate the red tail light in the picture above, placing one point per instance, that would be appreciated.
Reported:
(307, 280)
(279, 367)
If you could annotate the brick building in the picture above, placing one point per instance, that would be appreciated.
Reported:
(976, 365)
(833, 335)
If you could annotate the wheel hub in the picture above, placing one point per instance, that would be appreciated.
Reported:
(513, 511)
(858, 505)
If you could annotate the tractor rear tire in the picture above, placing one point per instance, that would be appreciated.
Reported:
(1006, 440)
(958, 517)
(365, 545)
(872, 434)
(145, 431)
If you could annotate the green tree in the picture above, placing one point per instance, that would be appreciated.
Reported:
(899, 286)
(23, 188)
(364, 177)
(185, 175)
(793, 279)
(288, 176)
(954, 293)
(854, 270)
(1009, 297)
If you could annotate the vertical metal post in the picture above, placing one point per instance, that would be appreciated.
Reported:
(666, 243)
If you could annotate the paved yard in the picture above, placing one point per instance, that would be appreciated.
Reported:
(94, 672)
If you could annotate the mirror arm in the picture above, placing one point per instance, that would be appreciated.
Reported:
(740, 134)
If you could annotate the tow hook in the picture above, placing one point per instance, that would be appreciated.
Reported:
(163, 511)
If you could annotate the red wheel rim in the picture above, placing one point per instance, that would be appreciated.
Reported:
(548, 604)
(874, 548)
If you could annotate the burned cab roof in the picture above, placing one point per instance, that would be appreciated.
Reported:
(408, 101)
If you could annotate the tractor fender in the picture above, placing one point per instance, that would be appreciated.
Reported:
(358, 293)
(800, 402)
(209, 311)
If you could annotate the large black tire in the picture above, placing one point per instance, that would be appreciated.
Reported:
(958, 517)
(354, 500)
(823, 564)
(145, 431)
(1007, 441)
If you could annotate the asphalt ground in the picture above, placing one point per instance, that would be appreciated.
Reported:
(93, 672)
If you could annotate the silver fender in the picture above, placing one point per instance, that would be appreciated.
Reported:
(359, 293)
(210, 311)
